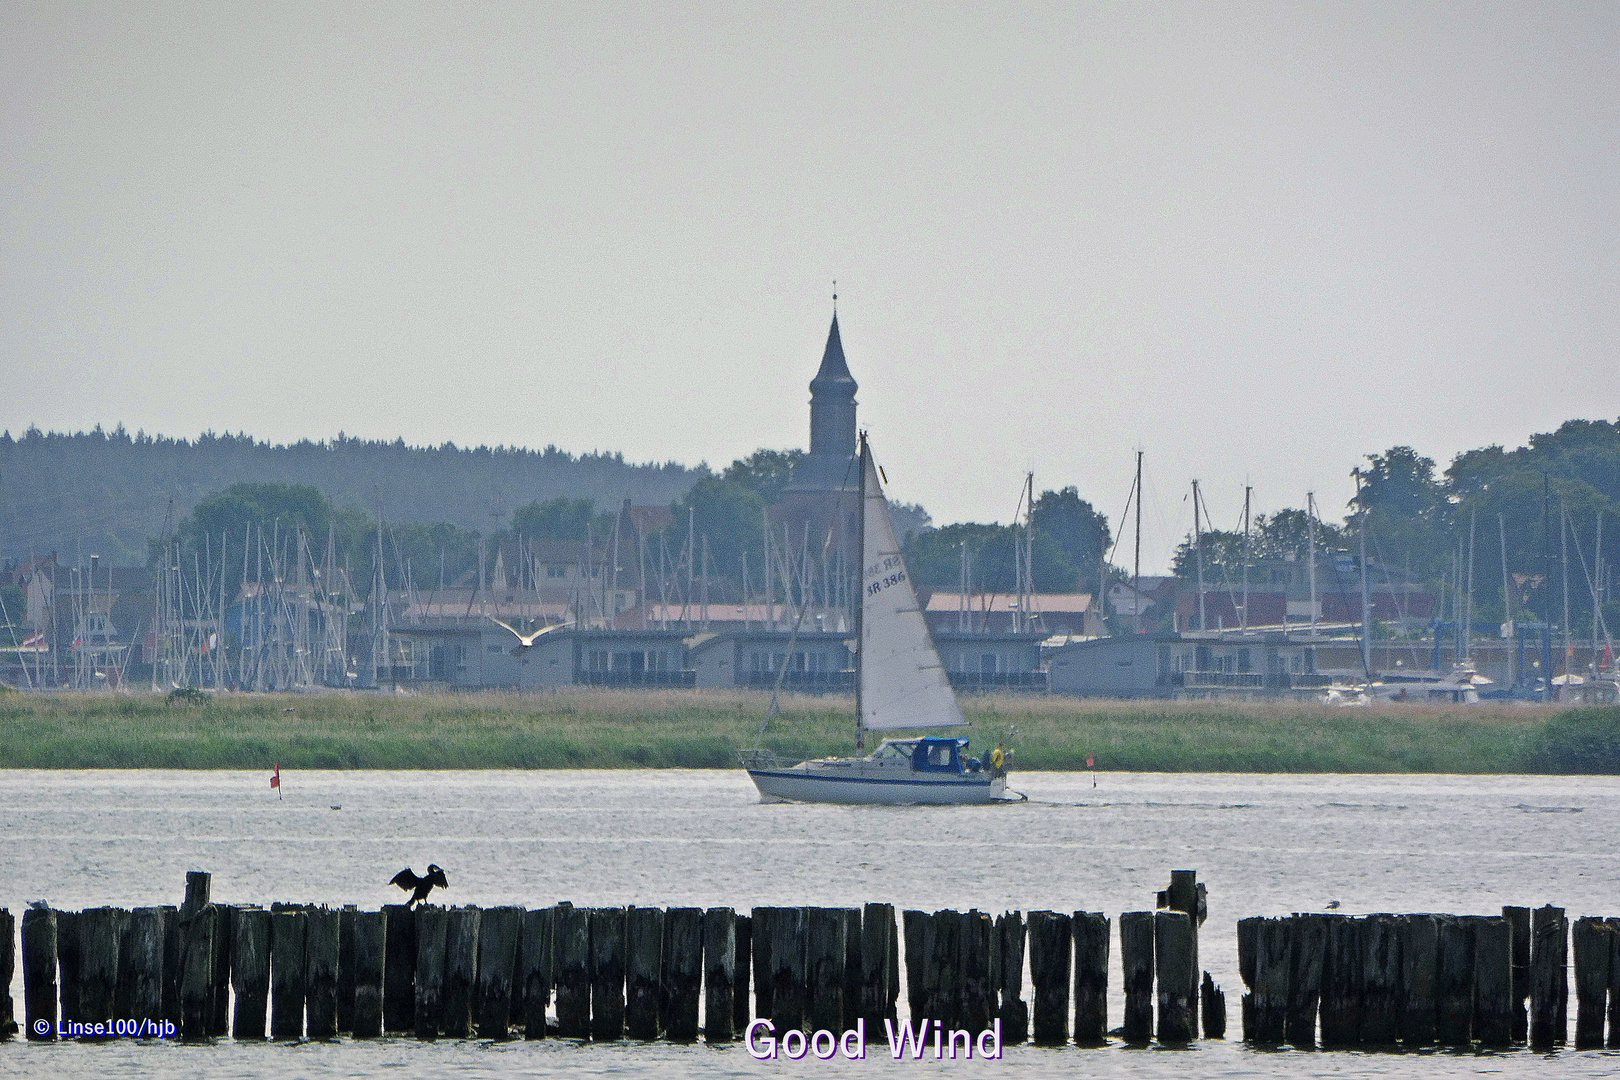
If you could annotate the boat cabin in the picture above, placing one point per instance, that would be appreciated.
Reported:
(931, 754)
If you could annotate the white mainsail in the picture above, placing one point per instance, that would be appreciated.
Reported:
(903, 684)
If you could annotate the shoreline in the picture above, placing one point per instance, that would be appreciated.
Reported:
(604, 729)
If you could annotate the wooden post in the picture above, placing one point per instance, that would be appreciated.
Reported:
(69, 949)
(399, 968)
(98, 963)
(320, 972)
(573, 972)
(1186, 895)
(1136, 967)
(1519, 919)
(1453, 982)
(719, 973)
(1172, 970)
(943, 971)
(199, 886)
(1274, 972)
(644, 985)
(369, 967)
(1213, 1002)
(1014, 1010)
(825, 946)
(8, 968)
(741, 1014)
(498, 932)
(1614, 984)
(1590, 942)
(250, 972)
(607, 974)
(1549, 985)
(1050, 950)
(539, 967)
(197, 971)
(460, 969)
(1248, 946)
(683, 971)
(1493, 983)
(286, 973)
(1307, 941)
(1091, 931)
(1419, 1008)
(978, 998)
(853, 946)
(877, 934)
(345, 968)
(764, 918)
(787, 968)
(39, 963)
(1381, 978)
(432, 940)
(219, 1018)
(1341, 982)
(141, 961)
(919, 934)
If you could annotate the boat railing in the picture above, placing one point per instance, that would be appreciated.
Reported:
(758, 759)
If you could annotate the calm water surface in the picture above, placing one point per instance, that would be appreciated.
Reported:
(1266, 845)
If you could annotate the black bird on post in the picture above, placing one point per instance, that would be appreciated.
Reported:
(419, 887)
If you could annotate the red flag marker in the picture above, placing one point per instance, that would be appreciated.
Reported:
(275, 779)
(1091, 763)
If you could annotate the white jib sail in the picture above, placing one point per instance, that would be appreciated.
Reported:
(903, 684)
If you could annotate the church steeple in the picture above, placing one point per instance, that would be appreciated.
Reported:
(832, 401)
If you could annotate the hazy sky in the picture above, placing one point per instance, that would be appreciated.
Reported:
(1256, 241)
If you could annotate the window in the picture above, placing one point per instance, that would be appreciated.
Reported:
(494, 648)
(599, 660)
(987, 664)
(556, 571)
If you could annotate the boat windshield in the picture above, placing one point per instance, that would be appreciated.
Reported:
(937, 755)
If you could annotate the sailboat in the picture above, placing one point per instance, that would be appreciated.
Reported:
(900, 684)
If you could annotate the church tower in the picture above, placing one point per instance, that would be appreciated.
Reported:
(827, 467)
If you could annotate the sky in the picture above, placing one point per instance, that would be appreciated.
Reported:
(1256, 242)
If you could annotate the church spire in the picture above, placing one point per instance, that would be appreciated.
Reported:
(832, 401)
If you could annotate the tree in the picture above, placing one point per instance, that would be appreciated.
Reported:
(1075, 528)
(731, 516)
(561, 518)
(764, 472)
(274, 512)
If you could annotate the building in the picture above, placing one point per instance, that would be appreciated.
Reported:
(1179, 665)
(814, 662)
(1049, 614)
(1279, 593)
(487, 656)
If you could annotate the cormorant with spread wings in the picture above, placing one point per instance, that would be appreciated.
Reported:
(419, 887)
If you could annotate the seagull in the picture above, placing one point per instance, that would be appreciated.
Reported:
(407, 880)
(526, 641)
(1333, 905)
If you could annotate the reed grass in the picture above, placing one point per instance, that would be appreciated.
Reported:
(579, 728)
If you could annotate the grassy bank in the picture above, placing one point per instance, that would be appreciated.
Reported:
(703, 729)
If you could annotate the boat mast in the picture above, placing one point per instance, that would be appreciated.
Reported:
(860, 643)
(1136, 565)
(1310, 528)
(1198, 552)
(1247, 491)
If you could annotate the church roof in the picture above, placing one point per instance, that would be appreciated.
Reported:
(833, 368)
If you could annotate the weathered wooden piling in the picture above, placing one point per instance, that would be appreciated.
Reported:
(824, 968)
(1419, 1009)
(368, 962)
(1091, 932)
(140, 964)
(39, 964)
(877, 979)
(250, 972)
(460, 969)
(8, 968)
(1549, 984)
(1341, 982)
(399, 968)
(1136, 966)
(573, 972)
(1186, 895)
(1212, 1002)
(197, 990)
(741, 1012)
(173, 954)
(498, 931)
(538, 969)
(607, 974)
(918, 928)
(1050, 951)
(719, 973)
(764, 918)
(1380, 946)
(1493, 982)
(852, 966)
(1274, 973)
(1248, 941)
(1590, 943)
(942, 974)
(644, 972)
(1519, 919)
(1614, 984)
(345, 968)
(1014, 1011)
(1307, 949)
(432, 938)
(321, 972)
(1453, 981)
(124, 996)
(69, 950)
(683, 972)
(976, 1004)
(1173, 961)
(98, 963)
(788, 952)
(287, 973)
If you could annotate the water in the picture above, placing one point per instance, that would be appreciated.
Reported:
(1266, 845)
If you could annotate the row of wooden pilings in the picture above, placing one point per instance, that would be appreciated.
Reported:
(301, 971)
(1429, 980)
